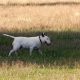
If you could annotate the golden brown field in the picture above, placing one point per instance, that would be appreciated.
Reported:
(53, 18)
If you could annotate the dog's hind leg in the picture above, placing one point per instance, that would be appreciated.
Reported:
(11, 52)
(15, 48)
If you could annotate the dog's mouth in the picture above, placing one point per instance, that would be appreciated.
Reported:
(47, 43)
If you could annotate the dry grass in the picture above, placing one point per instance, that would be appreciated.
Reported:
(34, 72)
(35, 1)
(52, 18)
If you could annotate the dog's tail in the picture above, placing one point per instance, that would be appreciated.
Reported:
(9, 35)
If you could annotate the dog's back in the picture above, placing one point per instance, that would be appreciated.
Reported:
(26, 41)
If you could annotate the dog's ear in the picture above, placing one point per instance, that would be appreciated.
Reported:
(43, 34)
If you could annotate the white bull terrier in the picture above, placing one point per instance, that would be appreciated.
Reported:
(29, 42)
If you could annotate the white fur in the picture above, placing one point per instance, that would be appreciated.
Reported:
(28, 42)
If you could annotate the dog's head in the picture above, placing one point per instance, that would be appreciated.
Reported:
(45, 39)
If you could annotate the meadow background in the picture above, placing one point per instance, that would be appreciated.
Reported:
(60, 20)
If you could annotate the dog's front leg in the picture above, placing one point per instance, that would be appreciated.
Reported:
(31, 49)
(39, 50)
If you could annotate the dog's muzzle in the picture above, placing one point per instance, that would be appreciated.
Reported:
(48, 43)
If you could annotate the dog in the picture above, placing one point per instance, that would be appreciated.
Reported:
(29, 42)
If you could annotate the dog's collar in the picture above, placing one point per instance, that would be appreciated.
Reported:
(40, 40)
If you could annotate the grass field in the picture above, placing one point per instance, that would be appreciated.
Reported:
(60, 61)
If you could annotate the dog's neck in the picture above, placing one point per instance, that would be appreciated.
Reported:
(40, 40)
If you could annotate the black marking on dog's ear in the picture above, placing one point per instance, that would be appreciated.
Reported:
(43, 34)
